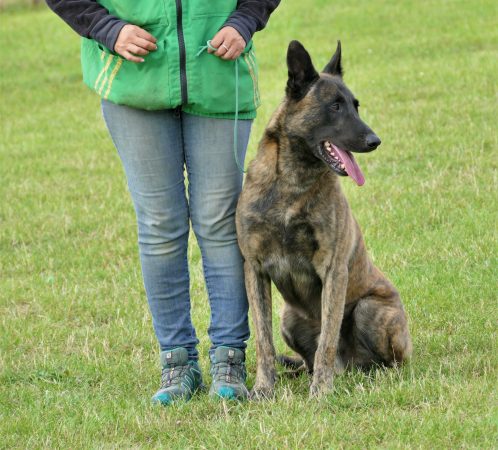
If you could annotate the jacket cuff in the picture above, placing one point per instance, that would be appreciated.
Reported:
(107, 32)
(246, 26)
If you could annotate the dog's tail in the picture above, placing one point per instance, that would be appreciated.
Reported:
(291, 362)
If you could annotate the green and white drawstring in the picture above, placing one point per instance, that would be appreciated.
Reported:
(235, 125)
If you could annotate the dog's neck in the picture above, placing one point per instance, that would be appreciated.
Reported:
(295, 165)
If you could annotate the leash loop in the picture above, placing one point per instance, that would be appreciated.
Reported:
(236, 119)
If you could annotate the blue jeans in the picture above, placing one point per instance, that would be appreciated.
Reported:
(154, 147)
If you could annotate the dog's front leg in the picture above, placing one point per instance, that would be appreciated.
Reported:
(258, 287)
(333, 299)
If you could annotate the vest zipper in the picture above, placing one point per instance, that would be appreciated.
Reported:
(183, 56)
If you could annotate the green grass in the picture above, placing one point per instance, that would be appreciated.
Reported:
(78, 359)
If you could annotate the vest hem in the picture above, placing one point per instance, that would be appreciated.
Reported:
(246, 115)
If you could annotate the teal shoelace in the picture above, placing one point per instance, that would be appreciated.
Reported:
(228, 372)
(179, 375)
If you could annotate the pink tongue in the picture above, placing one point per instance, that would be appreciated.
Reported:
(352, 168)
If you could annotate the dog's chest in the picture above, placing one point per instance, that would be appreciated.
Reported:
(286, 235)
(285, 247)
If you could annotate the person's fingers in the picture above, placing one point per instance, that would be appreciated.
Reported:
(237, 54)
(231, 54)
(128, 56)
(223, 49)
(144, 43)
(136, 50)
(217, 41)
(134, 42)
(228, 42)
(236, 48)
(140, 32)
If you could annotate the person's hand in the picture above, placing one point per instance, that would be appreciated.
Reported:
(229, 42)
(132, 41)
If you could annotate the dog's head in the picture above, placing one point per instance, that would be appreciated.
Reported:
(323, 112)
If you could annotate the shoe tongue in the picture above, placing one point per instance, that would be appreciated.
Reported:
(352, 168)
(225, 354)
(173, 358)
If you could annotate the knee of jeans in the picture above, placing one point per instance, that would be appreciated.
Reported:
(215, 226)
(160, 233)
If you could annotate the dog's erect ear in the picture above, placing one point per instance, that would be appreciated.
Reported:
(302, 74)
(334, 67)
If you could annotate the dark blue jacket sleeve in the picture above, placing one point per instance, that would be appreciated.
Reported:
(251, 16)
(89, 19)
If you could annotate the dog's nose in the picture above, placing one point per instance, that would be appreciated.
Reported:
(373, 141)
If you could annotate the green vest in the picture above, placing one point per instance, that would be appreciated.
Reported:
(174, 75)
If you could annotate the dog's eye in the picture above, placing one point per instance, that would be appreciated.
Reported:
(335, 107)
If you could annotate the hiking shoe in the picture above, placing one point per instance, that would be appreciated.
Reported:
(180, 377)
(229, 374)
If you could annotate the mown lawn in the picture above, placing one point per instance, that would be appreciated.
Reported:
(78, 359)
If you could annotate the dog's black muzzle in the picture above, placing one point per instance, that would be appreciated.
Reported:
(364, 145)
(372, 141)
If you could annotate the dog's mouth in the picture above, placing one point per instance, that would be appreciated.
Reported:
(341, 161)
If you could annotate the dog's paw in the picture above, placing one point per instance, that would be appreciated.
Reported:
(320, 390)
(323, 384)
(261, 393)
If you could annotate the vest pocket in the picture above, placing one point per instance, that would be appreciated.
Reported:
(216, 77)
(140, 85)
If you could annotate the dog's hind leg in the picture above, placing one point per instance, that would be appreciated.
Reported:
(301, 335)
(379, 330)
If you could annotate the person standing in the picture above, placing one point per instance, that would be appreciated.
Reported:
(169, 102)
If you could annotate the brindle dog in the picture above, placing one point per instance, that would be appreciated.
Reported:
(295, 228)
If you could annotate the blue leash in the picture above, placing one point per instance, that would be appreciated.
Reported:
(235, 125)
